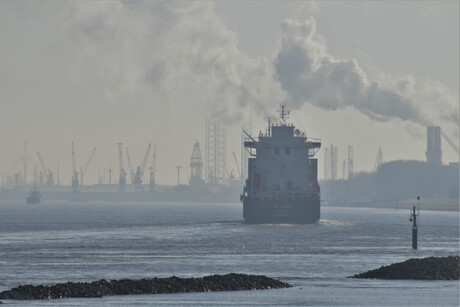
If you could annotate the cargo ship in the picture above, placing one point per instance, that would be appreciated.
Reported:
(282, 185)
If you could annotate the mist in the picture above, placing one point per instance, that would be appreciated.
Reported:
(142, 72)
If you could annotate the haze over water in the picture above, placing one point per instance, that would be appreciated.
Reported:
(69, 241)
(367, 74)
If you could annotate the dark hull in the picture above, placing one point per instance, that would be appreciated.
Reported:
(289, 211)
(33, 200)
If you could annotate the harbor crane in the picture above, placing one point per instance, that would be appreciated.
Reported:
(237, 166)
(230, 176)
(450, 142)
(46, 171)
(130, 166)
(75, 183)
(83, 170)
(122, 178)
(152, 169)
(137, 180)
(379, 160)
(25, 160)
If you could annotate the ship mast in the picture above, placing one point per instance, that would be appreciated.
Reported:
(283, 114)
(269, 119)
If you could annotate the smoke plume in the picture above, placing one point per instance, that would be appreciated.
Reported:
(309, 74)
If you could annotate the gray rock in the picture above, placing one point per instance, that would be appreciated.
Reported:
(431, 268)
(229, 282)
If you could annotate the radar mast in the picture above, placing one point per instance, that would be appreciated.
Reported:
(284, 114)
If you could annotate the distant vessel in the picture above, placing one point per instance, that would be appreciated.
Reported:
(282, 184)
(34, 196)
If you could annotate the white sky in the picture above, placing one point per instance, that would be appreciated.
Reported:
(99, 73)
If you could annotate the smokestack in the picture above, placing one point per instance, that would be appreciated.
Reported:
(433, 145)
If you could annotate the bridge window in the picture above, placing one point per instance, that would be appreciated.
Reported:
(287, 150)
(277, 150)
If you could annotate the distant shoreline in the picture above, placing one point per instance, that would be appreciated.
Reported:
(451, 205)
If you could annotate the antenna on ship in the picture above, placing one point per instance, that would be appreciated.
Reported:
(269, 119)
(284, 114)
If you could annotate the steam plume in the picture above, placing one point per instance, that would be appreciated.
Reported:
(309, 74)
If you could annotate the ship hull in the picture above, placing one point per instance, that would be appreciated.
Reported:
(33, 200)
(289, 211)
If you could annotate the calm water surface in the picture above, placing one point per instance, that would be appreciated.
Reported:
(70, 241)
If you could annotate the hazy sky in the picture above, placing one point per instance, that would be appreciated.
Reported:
(96, 73)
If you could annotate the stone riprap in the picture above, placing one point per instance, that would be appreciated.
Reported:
(229, 282)
(431, 268)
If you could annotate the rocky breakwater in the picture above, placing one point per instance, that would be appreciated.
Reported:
(431, 268)
(229, 282)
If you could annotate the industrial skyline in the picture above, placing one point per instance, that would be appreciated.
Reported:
(99, 74)
(214, 171)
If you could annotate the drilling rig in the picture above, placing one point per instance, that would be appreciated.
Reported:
(196, 166)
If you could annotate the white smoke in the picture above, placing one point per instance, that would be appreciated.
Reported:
(122, 68)
(119, 50)
(174, 45)
(439, 103)
(124, 49)
(309, 74)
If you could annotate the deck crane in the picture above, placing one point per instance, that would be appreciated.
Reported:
(137, 180)
(75, 182)
(122, 179)
(46, 171)
(83, 170)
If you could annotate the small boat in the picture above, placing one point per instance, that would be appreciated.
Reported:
(34, 196)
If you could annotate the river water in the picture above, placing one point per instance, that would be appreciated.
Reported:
(58, 242)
